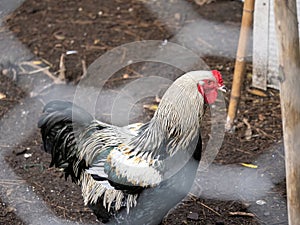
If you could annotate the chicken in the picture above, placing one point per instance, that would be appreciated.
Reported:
(137, 173)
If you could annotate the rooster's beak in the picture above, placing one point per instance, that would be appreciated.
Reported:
(223, 89)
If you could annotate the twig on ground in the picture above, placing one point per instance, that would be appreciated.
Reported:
(260, 131)
(214, 211)
(241, 214)
(38, 68)
(34, 94)
(11, 182)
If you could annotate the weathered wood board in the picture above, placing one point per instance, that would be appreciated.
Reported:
(265, 52)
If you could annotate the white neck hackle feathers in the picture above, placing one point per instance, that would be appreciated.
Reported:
(173, 130)
(177, 119)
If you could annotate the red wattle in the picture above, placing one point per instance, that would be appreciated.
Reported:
(211, 96)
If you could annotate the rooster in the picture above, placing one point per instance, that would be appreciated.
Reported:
(137, 173)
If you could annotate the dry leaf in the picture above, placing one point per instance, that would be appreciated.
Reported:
(2, 96)
(249, 76)
(151, 107)
(37, 62)
(249, 165)
(59, 35)
(96, 41)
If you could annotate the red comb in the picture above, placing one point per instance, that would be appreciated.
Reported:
(218, 77)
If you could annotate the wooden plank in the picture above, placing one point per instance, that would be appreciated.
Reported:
(289, 71)
(272, 80)
(265, 70)
(260, 44)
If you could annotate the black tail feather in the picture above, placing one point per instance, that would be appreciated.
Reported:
(60, 124)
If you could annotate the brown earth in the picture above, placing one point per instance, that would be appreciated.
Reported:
(49, 28)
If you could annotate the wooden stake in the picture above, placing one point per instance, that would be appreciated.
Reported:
(289, 72)
(239, 69)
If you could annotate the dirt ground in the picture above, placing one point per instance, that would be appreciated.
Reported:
(50, 28)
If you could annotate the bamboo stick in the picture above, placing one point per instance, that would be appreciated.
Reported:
(238, 76)
(289, 68)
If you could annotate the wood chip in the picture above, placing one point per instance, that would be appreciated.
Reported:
(257, 92)
(248, 132)
(261, 117)
(10, 209)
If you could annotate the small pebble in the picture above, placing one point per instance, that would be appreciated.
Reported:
(260, 202)
(71, 52)
(5, 71)
(27, 155)
(193, 216)
(177, 16)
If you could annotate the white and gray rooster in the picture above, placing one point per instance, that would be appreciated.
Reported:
(133, 174)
